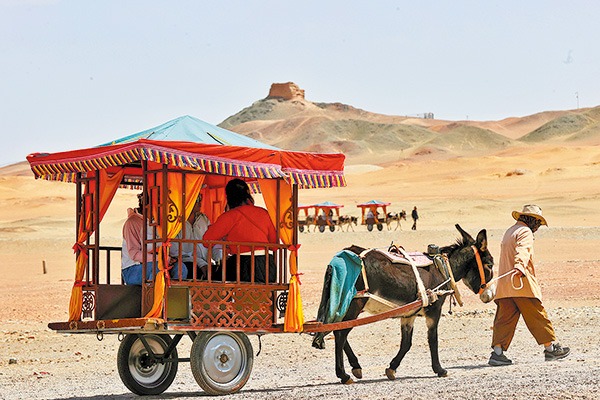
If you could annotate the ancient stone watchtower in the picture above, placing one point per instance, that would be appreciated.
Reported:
(286, 91)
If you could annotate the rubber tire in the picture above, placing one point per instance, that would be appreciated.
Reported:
(145, 380)
(369, 227)
(380, 227)
(214, 376)
(332, 228)
(301, 228)
(321, 228)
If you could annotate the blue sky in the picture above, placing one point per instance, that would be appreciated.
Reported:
(79, 73)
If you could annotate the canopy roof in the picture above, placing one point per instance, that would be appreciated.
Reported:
(327, 204)
(376, 203)
(190, 129)
(253, 160)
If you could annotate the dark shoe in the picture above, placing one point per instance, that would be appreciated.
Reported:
(498, 360)
(558, 352)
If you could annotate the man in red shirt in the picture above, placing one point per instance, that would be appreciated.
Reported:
(245, 222)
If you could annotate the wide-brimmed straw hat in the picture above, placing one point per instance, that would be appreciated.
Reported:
(531, 210)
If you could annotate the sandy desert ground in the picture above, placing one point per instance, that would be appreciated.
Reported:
(36, 225)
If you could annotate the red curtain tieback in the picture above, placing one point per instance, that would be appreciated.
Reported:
(297, 275)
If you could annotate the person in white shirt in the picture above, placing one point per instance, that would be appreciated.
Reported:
(195, 226)
(132, 249)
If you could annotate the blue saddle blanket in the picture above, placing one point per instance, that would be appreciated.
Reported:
(338, 291)
(345, 268)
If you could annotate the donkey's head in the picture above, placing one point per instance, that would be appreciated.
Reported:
(471, 260)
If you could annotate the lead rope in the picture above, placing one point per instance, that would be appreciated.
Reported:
(512, 282)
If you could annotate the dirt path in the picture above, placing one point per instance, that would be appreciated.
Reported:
(47, 365)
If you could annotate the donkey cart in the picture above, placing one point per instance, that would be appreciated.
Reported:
(370, 215)
(215, 311)
(216, 308)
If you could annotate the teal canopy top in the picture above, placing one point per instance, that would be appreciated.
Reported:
(327, 204)
(374, 203)
(190, 129)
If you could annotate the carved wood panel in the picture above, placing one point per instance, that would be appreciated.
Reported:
(231, 307)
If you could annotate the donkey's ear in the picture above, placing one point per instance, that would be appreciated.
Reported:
(466, 237)
(482, 240)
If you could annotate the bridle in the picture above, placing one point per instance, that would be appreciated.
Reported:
(481, 271)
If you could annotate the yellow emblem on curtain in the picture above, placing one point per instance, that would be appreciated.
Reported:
(174, 219)
(294, 314)
(108, 188)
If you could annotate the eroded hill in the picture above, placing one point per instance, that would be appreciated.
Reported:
(289, 121)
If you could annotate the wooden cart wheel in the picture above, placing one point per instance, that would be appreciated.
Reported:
(139, 371)
(221, 362)
(369, 227)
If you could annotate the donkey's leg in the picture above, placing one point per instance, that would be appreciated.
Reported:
(341, 341)
(342, 346)
(405, 343)
(432, 321)
(353, 360)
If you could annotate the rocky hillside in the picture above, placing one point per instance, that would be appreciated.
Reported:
(287, 120)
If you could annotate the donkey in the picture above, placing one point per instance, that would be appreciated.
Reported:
(311, 221)
(393, 216)
(347, 220)
(396, 283)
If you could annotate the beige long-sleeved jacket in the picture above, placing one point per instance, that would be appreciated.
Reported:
(516, 251)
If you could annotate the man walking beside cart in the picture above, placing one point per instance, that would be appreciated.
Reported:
(525, 298)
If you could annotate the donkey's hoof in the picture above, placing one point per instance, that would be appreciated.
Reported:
(357, 372)
(348, 381)
(390, 373)
(442, 373)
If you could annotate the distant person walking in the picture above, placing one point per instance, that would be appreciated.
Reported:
(415, 217)
(520, 294)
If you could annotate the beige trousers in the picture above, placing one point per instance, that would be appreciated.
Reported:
(534, 314)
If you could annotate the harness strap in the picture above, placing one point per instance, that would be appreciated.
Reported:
(480, 267)
(363, 271)
(443, 264)
(420, 286)
(378, 299)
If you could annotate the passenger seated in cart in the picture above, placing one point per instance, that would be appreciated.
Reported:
(244, 222)
(370, 216)
(195, 227)
(132, 251)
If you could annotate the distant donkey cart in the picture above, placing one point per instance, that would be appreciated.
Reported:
(326, 216)
(371, 216)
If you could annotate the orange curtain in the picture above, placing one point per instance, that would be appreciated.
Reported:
(213, 202)
(294, 315)
(176, 214)
(108, 188)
